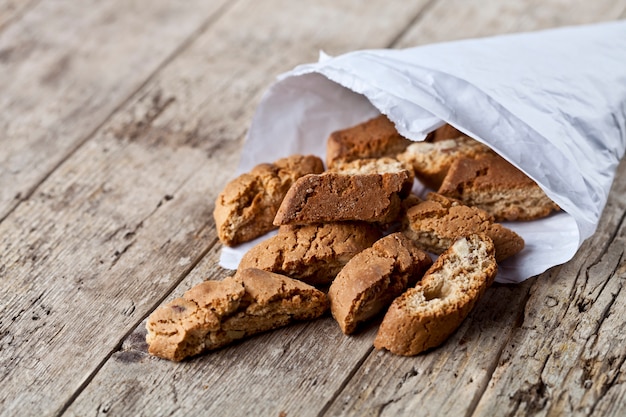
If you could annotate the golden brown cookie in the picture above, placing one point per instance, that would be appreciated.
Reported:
(426, 315)
(431, 161)
(374, 138)
(494, 185)
(216, 313)
(437, 222)
(370, 190)
(373, 278)
(311, 253)
(246, 208)
(444, 132)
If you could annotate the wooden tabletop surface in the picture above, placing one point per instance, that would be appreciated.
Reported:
(121, 121)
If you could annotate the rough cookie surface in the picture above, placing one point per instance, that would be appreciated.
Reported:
(374, 138)
(431, 161)
(371, 192)
(246, 208)
(311, 253)
(426, 315)
(373, 278)
(436, 223)
(216, 313)
(444, 132)
(494, 185)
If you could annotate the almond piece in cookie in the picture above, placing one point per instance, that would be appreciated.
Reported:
(374, 138)
(372, 279)
(311, 253)
(246, 208)
(431, 161)
(437, 222)
(494, 185)
(426, 315)
(371, 191)
(216, 313)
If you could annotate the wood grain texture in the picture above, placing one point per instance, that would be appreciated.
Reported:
(474, 19)
(120, 222)
(66, 66)
(567, 356)
(448, 380)
(115, 219)
(293, 370)
(444, 388)
(12, 10)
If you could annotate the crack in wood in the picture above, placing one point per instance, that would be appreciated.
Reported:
(345, 382)
(411, 23)
(536, 395)
(133, 356)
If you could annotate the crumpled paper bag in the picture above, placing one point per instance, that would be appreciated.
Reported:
(553, 103)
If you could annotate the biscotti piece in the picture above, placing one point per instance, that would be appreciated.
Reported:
(371, 192)
(216, 313)
(374, 166)
(494, 185)
(426, 315)
(246, 208)
(431, 161)
(444, 132)
(311, 253)
(372, 279)
(437, 222)
(374, 138)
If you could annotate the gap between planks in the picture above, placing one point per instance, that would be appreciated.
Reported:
(221, 10)
(181, 278)
(137, 323)
(184, 45)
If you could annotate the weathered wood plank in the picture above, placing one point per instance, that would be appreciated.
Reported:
(66, 66)
(13, 10)
(465, 19)
(292, 370)
(118, 224)
(451, 380)
(444, 381)
(567, 357)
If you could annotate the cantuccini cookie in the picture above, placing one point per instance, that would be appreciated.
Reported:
(216, 313)
(374, 138)
(437, 222)
(370, 190)
(494, 185)
(246, 208)
(373, 278)
(444, 132)
(425, 316)
(431, 161)
(311, 253)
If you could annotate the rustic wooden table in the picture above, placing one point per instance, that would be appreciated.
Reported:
(120, 121)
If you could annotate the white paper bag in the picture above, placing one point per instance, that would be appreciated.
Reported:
(553, 103)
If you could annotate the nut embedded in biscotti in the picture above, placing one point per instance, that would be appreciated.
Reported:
(494, 185)
(311, 253)
(374, 138)
(437, 222)
(214, 314)
(246, 208)
(373, 278)
(371, 196)
(427, 314)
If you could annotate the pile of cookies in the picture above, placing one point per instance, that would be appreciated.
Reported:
(354, 239)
